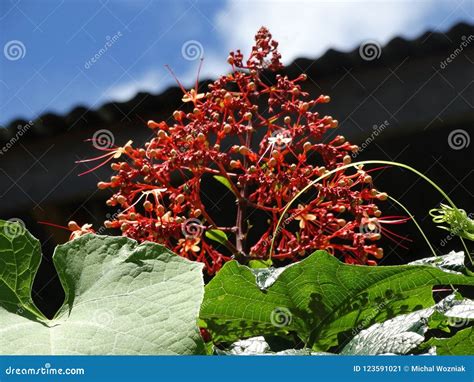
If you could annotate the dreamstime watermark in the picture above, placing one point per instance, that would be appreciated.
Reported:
(103, 317)
(459, 139)
(377, 130)
(192, 228)
(464, 44)
(14, 50)
(368, 319)
(192, 50)
(287, 220)
(44, 370)
(280, 139)
(110, 217)
(281, 317)
(370, 226)
(370, 50)
(453, 232)
(103, 139)
(13, 228)
(110, 41)
(459, 322)
(21, 130)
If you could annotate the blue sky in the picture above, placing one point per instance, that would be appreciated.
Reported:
(47, 45)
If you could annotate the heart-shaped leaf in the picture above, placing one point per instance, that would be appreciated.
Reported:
(121, 298)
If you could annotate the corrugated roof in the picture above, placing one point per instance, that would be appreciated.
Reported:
(147, 105)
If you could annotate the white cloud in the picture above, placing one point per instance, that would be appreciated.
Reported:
(152, 81)
(304, 28)
(309, 28)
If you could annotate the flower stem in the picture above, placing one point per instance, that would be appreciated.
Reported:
(327, 174)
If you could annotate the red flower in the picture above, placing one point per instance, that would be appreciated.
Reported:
(277, 150)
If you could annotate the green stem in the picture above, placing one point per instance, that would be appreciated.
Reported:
(311, 184)
(416, 223)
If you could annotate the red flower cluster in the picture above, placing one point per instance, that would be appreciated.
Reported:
(264, 142)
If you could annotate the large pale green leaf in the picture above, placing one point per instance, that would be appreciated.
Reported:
(121, 298)
(323, 300)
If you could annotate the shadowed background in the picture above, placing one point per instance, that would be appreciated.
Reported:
(401, 86)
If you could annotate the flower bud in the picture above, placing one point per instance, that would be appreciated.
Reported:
(243, 150)
(304, 106)
(154, 125)
(234, 164)
(341, 222)
(148, 206)
(73, 226)
(178, 115)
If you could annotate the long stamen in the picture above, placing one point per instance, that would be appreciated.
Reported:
(98, 166)
(54, 225)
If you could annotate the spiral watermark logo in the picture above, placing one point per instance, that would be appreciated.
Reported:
(459, 139)
(370, 50)
(281, 317)
(103, 317)
(13, 228)
(461, 315)
(192, 50)
(458, 322)
(280, 139)
(103, 139)
(370, 226)
(14, 50)
(192, 228)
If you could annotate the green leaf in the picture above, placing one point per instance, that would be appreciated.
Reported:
(320, 298)
(224, 181)
(20, 257)
(217, 235)
(461, 343)
(256, 264)
(121, 298)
